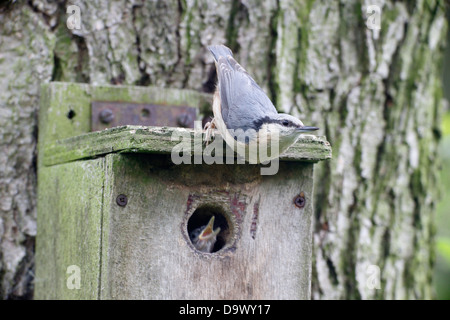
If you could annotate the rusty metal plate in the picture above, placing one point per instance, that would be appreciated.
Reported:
(112, 114)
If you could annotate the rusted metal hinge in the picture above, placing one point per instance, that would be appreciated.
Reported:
(112, 114)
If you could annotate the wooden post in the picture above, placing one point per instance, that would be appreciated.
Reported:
(114, 212)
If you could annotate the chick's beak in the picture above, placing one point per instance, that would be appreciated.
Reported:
(209, 232)
(307, 129)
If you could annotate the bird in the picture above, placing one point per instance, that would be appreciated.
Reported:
(203, 238)
(244, 114)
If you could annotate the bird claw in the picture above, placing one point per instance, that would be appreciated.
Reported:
(209, 128)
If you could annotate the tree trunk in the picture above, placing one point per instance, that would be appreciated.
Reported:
(375, 94)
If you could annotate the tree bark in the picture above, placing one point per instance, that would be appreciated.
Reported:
(375, 94)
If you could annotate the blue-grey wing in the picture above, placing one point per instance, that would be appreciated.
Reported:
(243, 102)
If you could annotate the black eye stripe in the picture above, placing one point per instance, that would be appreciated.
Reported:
(258, 123)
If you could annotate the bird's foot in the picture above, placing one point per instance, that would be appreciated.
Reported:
(209, 128)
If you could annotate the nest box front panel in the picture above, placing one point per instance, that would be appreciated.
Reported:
(263, 249)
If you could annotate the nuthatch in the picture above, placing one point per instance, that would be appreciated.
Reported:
(203, 238)
(240, 105)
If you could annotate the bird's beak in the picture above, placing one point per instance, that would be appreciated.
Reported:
(307, 129)
(209, 232)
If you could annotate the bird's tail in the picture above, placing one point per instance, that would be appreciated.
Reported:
(219, 51)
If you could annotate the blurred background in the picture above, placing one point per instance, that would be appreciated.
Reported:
(442, 269)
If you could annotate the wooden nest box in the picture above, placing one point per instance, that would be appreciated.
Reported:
(115, 212)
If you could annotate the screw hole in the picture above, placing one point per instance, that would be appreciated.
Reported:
(71, 114)
(145, 113)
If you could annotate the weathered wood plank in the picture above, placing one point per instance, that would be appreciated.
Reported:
(138, 139)
(146, 253)
(70, 208)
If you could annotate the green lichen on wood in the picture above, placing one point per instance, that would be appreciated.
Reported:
(70, 208)
(138, 139)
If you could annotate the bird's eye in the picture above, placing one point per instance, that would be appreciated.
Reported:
(285, 123)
